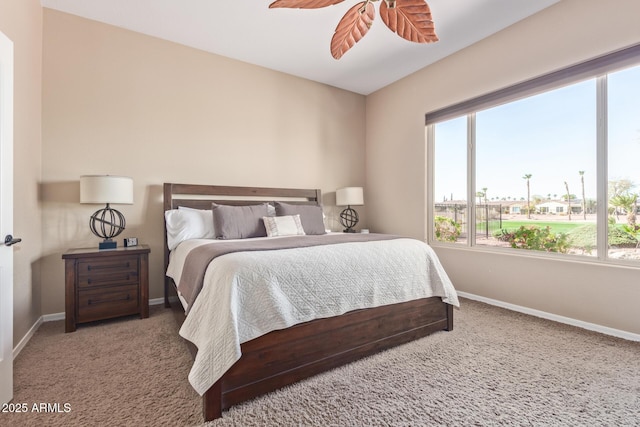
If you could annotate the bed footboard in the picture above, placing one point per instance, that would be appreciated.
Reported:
(286, 356)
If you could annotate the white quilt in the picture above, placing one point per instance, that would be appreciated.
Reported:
(248, 294)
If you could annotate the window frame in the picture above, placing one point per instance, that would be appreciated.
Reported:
(597, 69)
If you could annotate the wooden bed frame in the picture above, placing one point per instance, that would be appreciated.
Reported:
(289, 355)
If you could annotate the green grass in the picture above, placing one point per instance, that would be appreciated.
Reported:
(584, 236)
(555, 226)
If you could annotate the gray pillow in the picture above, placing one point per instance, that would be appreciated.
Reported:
(310, 216)
(239, 222)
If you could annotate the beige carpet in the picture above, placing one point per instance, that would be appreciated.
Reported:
(496, 368)
(117, 373)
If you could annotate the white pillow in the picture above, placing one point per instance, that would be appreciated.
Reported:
(188, 223)
(289, 225)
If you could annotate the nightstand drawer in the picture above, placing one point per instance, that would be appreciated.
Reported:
(108, 271)
(101, 284)
(102, 303)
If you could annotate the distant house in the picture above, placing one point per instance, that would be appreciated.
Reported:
(555, 207)
(518, 208)
(552, 207)
(505, 207)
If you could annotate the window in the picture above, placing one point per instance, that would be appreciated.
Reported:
(450, 211)
(548, 165)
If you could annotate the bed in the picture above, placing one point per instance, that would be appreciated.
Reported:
(291, 352)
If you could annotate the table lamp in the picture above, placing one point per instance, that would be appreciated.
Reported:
(349, 196)
(106, 223)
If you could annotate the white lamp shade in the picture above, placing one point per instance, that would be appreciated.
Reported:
(106, 189)
(349, 196)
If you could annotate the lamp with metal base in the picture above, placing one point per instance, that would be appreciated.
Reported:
(106, 223)
(349, 196)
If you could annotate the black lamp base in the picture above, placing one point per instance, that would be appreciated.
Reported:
(107, 223)
(108, 244)
(349, 219)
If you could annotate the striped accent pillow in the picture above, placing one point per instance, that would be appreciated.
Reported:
(288, 225)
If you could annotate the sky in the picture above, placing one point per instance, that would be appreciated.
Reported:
(551, 136)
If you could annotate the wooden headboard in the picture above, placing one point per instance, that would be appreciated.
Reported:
(200, 197)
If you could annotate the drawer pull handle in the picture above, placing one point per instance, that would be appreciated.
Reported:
(102, 267)
(109, 279)
(102, 301)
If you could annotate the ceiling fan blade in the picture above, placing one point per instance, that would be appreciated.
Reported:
(352, 27)
(410, 19)
(304, 4)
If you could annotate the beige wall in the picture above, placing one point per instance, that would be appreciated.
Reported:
(566, 33)
(122, 103)
(21, 21)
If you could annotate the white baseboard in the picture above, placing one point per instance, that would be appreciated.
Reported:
(549, 316)
(23, 342)
(51, 318)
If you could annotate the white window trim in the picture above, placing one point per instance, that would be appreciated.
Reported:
(602, 161)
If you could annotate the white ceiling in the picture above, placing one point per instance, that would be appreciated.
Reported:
(296, 41)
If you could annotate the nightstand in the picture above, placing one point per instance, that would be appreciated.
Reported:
(101, 284)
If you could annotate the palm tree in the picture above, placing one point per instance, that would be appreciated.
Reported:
(628, 203)
(484, 192)
(528, 177)
(568, 199)
(584, 201)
